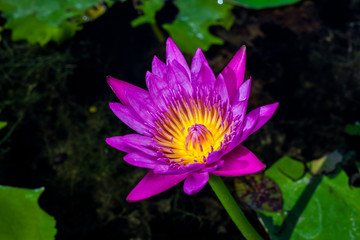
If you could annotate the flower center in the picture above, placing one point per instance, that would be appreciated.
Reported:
(190, 129)
(198, 135)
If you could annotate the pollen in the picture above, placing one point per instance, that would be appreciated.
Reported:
(191, 128)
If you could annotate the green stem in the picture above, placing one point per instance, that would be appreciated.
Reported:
(233, 208)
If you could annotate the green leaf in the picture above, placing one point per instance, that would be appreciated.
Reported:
(259, 4)
(41, 21)
(190, 29)
(21, 217)
(290, 167)
(148, 9)
(260, 192)
(315, 208)
(34, 30)
(353, 129)
(2, 124)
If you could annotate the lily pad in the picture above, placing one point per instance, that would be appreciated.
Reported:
(21, 217)
(190, 29)
(290, 167)
(259, 4)
(315, 208)
(260, 192)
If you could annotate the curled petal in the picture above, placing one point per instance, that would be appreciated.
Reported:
(173, 53)
(153, 184)
(240, 161)
(133, 143)
(119, 87)
(130, 118)
(140, 159)
(195, 182)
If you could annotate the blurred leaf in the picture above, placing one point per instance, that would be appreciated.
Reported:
(148, 9)
(35, 31)
(260, 192)
(290, 167)
(190, 29)
(21, 217)
(326, 164)
(259, 4)
(2, 124)
(316, 208)
(353, 129)
(40, 21)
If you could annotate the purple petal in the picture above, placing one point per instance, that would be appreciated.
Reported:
(153, 184)
(230, 80)
(240, 101)
(256, 119)
(240, 161)
(158, 67)
(214, 166)
(195, 182)
(140, 159)
(173, 53)
(133, 143)
(178, 79)
(142, 103)
(158, 89)
(221, 89)
(170, 170)
(197, 62)
(205, 79)
(237, 64)
(128, 116)
(119, 87)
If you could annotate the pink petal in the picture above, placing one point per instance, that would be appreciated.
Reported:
(158, 67)
(153, 184)
(195, 182)
(133, 143)
(128, 116)
(119, 87)
(196, 64)
(140, 159)
(257, 118)
(173, 53)
(240, 161)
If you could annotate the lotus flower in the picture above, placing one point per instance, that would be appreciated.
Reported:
(189, 123)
